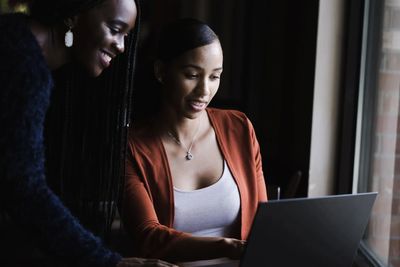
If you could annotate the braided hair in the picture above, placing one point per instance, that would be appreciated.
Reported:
(86, 125)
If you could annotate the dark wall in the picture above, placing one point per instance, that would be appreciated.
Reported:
(269, 60)
(280, 86)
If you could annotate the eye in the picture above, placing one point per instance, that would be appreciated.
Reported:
(114, 29)
(214, 77)
(191, 76)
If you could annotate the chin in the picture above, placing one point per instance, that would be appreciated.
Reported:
(92, 69)
(193, 115)
(95, 71)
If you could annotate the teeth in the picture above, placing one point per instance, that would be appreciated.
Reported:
(106, 57)
(199, 104)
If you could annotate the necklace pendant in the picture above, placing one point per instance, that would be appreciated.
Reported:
(189, 156)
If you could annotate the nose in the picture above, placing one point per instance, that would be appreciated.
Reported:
(119, 44)
(203, 87)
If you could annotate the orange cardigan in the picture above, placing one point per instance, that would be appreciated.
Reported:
(148, 203)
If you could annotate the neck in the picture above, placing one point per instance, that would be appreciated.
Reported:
(184, 129)
(51, 42)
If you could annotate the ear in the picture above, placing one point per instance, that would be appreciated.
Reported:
(71, 22)
(159, 71)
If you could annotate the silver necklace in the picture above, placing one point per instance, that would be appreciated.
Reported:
(189, 155)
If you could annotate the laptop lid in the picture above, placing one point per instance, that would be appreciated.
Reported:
(313, 232)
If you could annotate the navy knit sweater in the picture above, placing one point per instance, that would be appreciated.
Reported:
(25, 87)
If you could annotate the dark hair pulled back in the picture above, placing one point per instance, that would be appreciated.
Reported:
(183, 35)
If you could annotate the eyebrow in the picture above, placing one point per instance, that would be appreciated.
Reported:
(197, 67)
(119, 22)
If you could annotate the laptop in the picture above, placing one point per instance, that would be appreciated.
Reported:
(313, 232)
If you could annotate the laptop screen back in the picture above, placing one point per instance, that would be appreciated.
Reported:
(312, 232)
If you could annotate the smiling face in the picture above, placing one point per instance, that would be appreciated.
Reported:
(192, 80)
(99, 34)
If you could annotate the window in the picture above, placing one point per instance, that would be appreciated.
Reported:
(377, 164)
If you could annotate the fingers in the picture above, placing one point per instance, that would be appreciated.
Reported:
(236, 248)
(157, 263)
(160, 263)
(136, 262)
(242, 245)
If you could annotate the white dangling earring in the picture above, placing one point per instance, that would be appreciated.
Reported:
(69, 38)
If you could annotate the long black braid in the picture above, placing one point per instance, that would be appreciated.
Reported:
(86, 133)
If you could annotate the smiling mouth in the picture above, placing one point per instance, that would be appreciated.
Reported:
(198, 105)
(105, 58)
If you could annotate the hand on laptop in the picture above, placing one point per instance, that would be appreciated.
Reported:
(136, 262)
(235, 247)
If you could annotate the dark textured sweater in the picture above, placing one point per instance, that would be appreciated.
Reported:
(25, 88)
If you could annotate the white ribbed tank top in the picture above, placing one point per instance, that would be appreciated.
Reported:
(210, 211)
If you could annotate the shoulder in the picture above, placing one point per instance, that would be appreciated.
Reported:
(143, 139)
(22, 66)
(15, 20)
(227, 117)
(19, 49)
(25, 79)
(231, 125)
(14, 33)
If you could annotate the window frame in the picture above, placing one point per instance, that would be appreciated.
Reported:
(372, 19)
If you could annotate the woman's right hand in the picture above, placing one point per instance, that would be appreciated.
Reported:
(234, 247)
(136, 262)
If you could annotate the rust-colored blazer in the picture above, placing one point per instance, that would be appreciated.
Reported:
(148, 204)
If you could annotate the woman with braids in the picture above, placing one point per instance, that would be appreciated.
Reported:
(193, 173)
(89, 33)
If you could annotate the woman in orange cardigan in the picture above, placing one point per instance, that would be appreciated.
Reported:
(193, 174)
